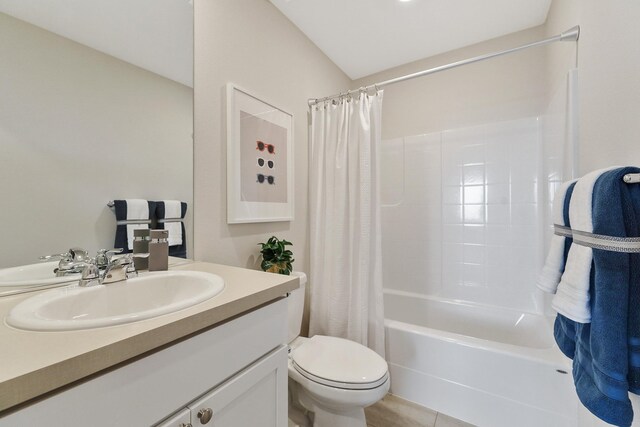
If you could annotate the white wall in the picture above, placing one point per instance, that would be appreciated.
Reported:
(250, 43)
(79, 128)
(504, 88)
(609, 66)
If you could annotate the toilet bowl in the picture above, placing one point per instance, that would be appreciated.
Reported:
(332, 378)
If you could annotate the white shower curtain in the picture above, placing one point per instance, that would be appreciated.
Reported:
(346, 264)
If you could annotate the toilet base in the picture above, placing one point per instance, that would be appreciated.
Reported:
(297, 414)
(323, 415)
(353, 418)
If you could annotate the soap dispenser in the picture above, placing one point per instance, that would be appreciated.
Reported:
(141, 248)
(159, 250)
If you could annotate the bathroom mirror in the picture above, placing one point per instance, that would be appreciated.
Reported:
(96, 104)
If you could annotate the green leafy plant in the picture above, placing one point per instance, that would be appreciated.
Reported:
(276, 258)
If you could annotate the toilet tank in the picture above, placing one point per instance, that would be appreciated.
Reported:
(295, 306)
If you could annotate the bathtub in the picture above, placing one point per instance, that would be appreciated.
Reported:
(488, 366)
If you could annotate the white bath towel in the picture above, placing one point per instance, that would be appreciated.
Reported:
(173, 211)
(572, 296)
(554, 265)
(137, 210)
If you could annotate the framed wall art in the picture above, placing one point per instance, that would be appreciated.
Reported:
(259, 159)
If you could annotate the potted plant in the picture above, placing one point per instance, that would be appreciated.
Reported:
(276, 258)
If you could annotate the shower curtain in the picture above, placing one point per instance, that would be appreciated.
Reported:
(346, 264)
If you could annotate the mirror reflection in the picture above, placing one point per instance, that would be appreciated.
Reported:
(96, 104)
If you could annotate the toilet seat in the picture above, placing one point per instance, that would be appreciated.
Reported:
(339, 363)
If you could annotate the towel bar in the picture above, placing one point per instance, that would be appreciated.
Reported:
(632, 178)
(597, 241)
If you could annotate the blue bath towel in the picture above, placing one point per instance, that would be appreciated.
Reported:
(606, 352)
(180, 250)
(120, 209)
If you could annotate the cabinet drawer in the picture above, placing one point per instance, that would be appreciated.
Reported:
(257, 396)
(181, 419)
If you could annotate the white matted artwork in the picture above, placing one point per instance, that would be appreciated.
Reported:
(259, 159)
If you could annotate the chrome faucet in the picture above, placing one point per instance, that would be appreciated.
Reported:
(104, 256)
(101, 270)
(116, 270)
(119, 269)
(71, 262)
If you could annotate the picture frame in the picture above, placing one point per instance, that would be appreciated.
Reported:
(260, 162)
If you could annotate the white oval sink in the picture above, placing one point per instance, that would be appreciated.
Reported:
(33, 275)
(149, 295)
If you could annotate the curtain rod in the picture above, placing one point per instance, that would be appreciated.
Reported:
(571, 34)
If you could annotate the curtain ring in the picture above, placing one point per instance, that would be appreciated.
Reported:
(375, 86)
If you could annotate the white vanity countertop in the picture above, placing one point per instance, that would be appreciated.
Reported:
(34, 363)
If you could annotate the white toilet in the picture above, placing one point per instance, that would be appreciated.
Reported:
(331, 377)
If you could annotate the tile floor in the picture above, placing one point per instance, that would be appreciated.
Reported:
(393, 411)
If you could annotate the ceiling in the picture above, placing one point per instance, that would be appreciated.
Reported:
(364, 37)
(156, 35)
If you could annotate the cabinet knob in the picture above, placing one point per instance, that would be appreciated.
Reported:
(205, 415)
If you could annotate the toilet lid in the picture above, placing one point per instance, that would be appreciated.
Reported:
(341, 363)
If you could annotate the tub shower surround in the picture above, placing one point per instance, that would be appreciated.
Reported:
(464, 208)
(463, 222)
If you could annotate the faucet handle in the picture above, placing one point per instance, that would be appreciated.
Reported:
(74, 254)
(103, 258)
(119, 269)
(54, 257)
(79, 255)
(127, 261)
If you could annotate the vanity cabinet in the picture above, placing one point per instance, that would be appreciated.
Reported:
(250, 398)
(180, 419)
(238, 370)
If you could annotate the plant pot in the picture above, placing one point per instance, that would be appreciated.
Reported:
(277, 267)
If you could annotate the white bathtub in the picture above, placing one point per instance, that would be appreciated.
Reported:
(490, 367)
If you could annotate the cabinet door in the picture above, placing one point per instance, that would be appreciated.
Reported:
(257, 396)
(181, 419)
